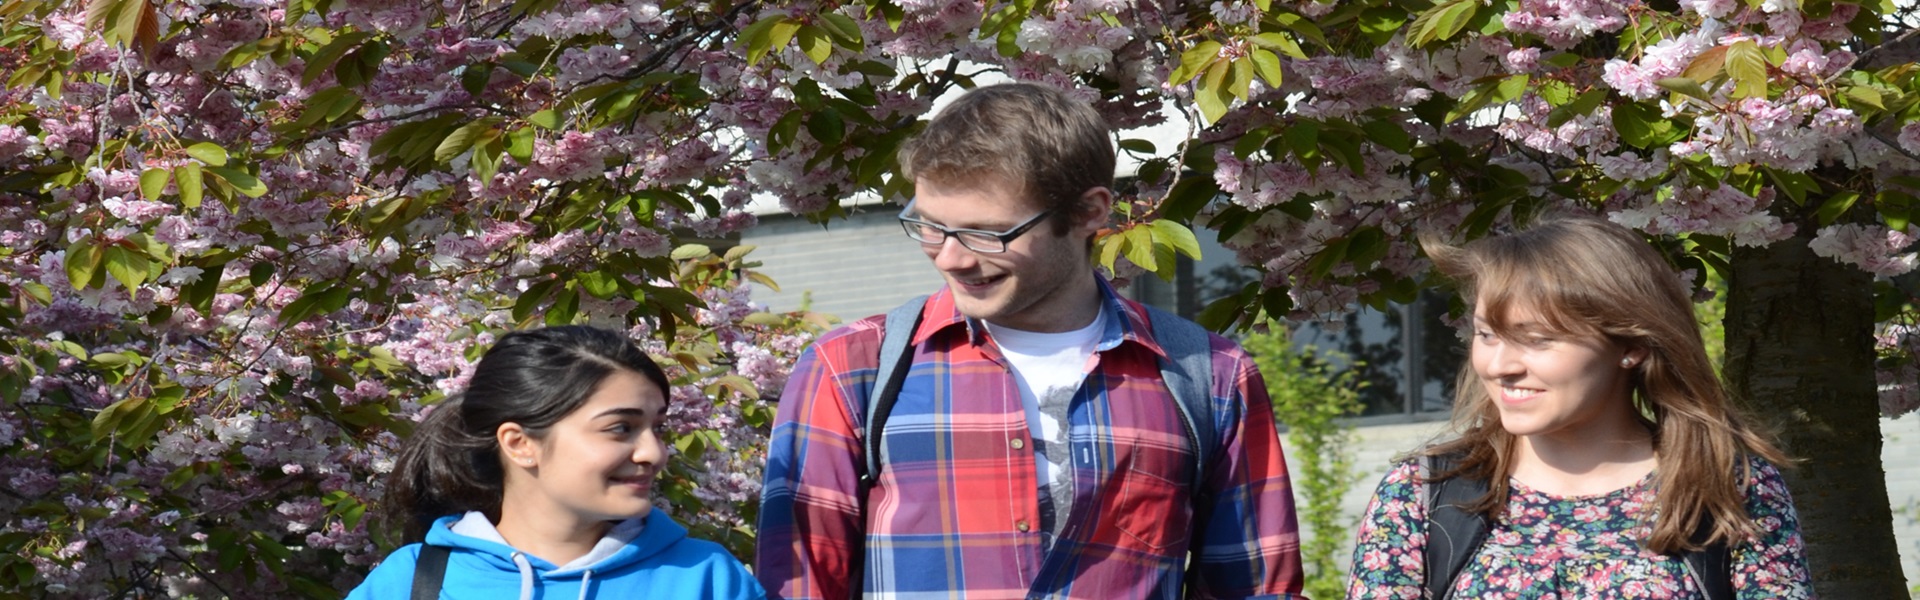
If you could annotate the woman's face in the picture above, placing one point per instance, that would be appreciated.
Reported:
(1545, 382)
(599, 462)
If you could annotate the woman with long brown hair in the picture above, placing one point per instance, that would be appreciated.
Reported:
(1598, 455)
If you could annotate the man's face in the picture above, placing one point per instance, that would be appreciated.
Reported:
(1041, 283)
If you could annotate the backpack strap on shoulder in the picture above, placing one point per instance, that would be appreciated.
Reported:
(1454, 533)
(430, 571)
(1188, 373)
(895, 359)
(1712, 564)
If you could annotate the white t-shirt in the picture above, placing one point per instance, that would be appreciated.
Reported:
(1049, 368)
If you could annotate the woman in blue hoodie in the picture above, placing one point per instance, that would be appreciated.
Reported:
(537, 483)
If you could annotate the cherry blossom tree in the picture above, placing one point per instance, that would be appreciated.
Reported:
(244, 243)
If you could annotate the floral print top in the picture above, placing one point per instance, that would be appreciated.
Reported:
(1552, 547)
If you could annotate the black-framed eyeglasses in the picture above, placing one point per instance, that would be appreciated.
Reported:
(977, 240)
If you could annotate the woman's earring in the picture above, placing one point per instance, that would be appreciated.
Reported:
(1626, 363)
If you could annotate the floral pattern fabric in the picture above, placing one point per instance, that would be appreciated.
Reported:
(1552, 547)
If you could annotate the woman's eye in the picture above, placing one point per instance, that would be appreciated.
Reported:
(619, 428)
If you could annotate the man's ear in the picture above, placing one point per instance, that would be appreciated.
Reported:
(516, 446)
(1094, 209)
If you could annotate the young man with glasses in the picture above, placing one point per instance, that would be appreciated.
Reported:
(1033, 449)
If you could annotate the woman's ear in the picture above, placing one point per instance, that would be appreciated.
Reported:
(1635, 356)
(516, 447)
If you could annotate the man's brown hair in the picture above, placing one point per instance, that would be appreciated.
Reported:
(1054, 146)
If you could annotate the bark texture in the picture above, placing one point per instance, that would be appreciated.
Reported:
(1800, 358)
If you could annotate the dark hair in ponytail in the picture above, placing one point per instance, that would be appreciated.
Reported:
(451, 463)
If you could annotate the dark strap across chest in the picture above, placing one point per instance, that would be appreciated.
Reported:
(1455, 534)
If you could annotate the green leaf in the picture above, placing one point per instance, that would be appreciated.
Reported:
(1267, 65)
(1381, 23)
(530, 299)
(1635, 121)
(546, 119)
(1389, 135)
(600, 284)
(486, 157)
(1554, 91)
(330, 54)
(1836, 205)
(1189, 197)
(816, 43)
(1275, 41)
(1240, 79)
(758, 38)
(844, 30)
(460, 140)
(1178, 236)
(83, 262)
(1866, 95)
(1896, 208)
(1139, 248)
(153, 182)
(1748, 68)
(827, 127)
(1442, 22)
(1795, 185)
(1581, 106)
(1687, 86)
(782, 132)
(241, 181)
(318, 299)
(1138, 145)
(128, 267)
(108, 420)
(520, 145)
(782, 33)
(566, 305)
(691, 251)
(208, 152)
(1195, 61)
(1213, 94)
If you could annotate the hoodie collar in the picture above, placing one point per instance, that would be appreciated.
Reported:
(629, 541)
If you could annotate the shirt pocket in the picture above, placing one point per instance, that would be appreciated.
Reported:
(1152, 507)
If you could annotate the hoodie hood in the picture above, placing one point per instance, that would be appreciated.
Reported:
(628, 544)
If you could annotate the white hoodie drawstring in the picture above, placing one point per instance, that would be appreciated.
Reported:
(526, 575)
(586, 580)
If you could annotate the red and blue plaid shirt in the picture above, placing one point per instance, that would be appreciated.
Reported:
(955, 510)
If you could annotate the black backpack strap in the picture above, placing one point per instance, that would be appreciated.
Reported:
(1711, 565)
(1454, 533)
(430, 571)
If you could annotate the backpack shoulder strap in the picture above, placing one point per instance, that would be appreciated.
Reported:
(1188, 373)
(1454, 533)
(895, 349)
(1712, 565)
(430, 571)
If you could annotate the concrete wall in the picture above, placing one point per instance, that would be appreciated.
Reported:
(1376, 445)
(855, 267)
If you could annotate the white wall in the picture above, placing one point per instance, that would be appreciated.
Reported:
(858, 266)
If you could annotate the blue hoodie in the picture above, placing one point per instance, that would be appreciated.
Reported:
(643, 557)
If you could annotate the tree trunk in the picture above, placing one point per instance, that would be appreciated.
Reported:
(1800, 357)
